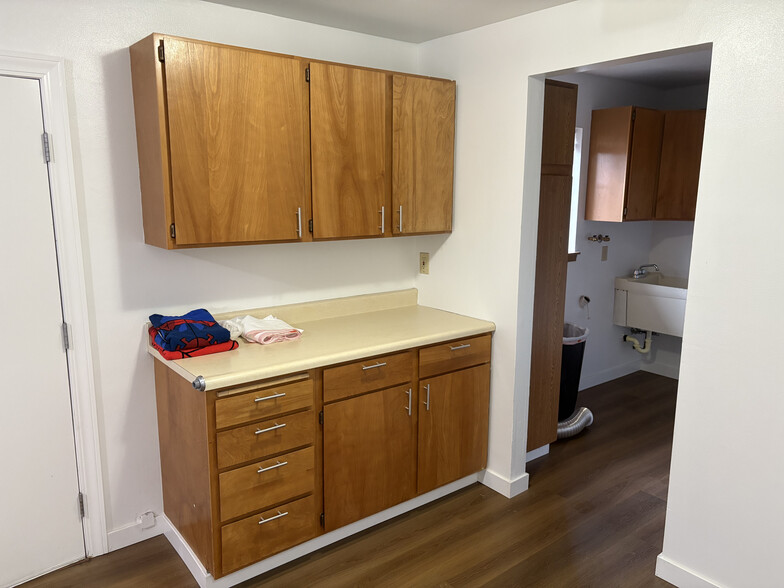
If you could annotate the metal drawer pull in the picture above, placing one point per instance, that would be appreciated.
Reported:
(277, 516)
(427, 401)
(299, 223)
(456, 347)
(272, 467)
(408, 408)
(277, 426)
(375, 365)
(270, 397)
(382, 220)
(400, 223)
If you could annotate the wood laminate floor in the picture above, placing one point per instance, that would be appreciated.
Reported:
(593, 517)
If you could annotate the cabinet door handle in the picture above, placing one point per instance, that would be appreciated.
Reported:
(277, 426)
(382, 220)
(456, 347)
(427, 400)
(400, 222)
(272, 467)
(277, 516)
(408, 408)
(299, 223)
(270, 397)
(378, 364)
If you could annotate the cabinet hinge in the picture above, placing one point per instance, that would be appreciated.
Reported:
(321, 418)
(624, 210)
(172, 232)
(47, 148)
(81, 505)
(321, 520)
(66, 336)
(161, 54)
(307, 74)
(310, 225)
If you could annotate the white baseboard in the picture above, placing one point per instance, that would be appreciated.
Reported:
(680, 576)
(502, 485)
(661, 369)
(537, 453)
(133, 533)
(206, 580)
(590, 380)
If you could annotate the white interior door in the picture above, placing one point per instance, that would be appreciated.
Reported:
(42, 526)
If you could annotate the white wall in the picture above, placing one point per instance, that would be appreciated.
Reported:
(720, 520)
(668, 244)
(129, 280)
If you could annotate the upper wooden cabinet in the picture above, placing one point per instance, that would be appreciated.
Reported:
(680, 164)
(643, 164)
(423, 144)
(349, 143)
(223, 154)
(243, 146)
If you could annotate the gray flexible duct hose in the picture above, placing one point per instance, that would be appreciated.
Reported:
(581, 418)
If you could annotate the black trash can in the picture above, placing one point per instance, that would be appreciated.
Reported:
(574, 338)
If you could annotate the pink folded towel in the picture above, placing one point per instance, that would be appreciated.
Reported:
(263, 331)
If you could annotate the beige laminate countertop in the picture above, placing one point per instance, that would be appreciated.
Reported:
(374, 329)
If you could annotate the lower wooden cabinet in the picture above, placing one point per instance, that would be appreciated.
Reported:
(370, 454)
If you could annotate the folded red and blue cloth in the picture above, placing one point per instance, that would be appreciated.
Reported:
(190, 335)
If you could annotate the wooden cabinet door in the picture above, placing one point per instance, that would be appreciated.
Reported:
(423, 147)
(679, 173)
(238, 139)
(608, 160)
(643, 164)
(369, 454)
(349, 146)
(453, 423)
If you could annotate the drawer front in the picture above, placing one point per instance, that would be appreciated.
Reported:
(454, 355)
(263, 403)
(266, 483)
(366, 375)
(265, 438)
(259, 536)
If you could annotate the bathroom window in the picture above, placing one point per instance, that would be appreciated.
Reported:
(578, 148)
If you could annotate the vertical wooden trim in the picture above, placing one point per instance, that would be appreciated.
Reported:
(560, 108)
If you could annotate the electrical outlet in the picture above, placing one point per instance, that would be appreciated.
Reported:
(424, 263)
(604, 252)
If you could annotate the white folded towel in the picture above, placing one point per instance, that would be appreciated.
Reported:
(264, 331)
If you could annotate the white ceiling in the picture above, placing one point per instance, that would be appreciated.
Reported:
(414, 21)
(684, 68)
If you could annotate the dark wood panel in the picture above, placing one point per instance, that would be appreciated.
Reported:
(185, 465)
(680, 164)
(608, 162)
(369, 455)
(644, 164)
(453, 422)
(560, 115)
(349, 135)
(583, 522)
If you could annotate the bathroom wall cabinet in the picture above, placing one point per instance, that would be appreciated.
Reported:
(643, 164)
(243, 146)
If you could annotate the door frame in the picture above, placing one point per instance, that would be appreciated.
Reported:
(50, 72)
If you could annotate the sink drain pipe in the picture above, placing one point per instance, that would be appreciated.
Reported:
(636, 343)
(581, 418)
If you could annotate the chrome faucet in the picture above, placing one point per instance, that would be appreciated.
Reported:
(640, 271)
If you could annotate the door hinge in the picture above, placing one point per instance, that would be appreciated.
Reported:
(310, 225)
(321, 418)
(321, 520)
(624, 210)
(172, 232)
(634, 115)
(82, 508)
(161, 54)
(66, 336)
(47, 148)
(307, 74)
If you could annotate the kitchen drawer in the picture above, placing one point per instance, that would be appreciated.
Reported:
(266, 483)
(366, 375)
(265, 438)
(259, 536)
(263, 403)
(454, 355)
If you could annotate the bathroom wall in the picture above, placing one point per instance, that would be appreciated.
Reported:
(668, 244)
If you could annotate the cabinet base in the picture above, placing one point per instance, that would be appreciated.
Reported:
(205, 580)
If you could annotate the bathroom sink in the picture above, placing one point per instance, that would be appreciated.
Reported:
(654, 302)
